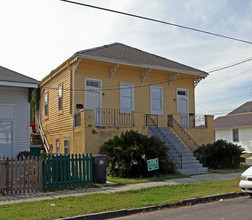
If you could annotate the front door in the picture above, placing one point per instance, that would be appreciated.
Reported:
(182, 107)
(93, 98)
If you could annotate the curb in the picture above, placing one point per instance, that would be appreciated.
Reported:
(126, 212)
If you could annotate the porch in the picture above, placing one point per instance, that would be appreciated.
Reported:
(193, 129)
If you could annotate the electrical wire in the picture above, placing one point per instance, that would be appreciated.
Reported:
(158, 21)
(229, 65)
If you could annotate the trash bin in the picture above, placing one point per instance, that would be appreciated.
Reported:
(35, 150)
(99, 163)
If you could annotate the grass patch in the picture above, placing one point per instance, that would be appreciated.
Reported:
(242, 168)
(246, 155)
(125, 181)
(72, 206)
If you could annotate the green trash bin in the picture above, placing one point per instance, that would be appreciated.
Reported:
(35, 150)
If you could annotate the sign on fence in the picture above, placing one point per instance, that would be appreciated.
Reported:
(152, 164)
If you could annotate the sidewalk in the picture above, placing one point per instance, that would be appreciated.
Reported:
(17, 198)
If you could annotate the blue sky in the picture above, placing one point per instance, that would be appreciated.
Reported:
(38, 35)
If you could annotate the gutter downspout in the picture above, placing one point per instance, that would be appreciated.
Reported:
(75, 68)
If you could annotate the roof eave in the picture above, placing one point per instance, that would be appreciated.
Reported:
(19, 84)
(196, 73)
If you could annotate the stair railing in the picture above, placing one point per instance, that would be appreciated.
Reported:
(167, 141)
(44, 139)
(181, 132)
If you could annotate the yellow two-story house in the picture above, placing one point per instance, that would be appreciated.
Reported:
(100, 92)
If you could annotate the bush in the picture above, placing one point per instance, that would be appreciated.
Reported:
(220, 155)
(128, 155)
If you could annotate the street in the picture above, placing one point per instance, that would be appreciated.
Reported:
(231, 209)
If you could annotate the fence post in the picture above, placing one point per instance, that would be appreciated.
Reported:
(91, 168)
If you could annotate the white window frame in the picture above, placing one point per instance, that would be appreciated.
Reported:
(154, 111)
(68, 147)
(46, 103)
(60, 88)
(57, 149)
(122, 87)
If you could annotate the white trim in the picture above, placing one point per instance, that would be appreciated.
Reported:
(18, 84)
(145, 74)
(130, 86)
(113, 70)
(67, 139)
(57, 140)
(14, 123)
(98, 90)
(157, 112)
(184, 116)
(145, 65)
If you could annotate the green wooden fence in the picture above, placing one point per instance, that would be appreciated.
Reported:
(61, 171)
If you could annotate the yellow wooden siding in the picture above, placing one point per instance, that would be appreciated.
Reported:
(111, 88)
(57, 121)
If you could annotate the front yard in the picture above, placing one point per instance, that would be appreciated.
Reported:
(92, 203)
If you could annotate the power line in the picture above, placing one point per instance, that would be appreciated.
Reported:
(219, 81)
(229, 65)
(158, 21)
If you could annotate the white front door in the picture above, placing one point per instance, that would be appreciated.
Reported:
(182, 107)
(93, 98)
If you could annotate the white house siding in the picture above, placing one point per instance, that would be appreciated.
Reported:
(245, 137)
(16, 100)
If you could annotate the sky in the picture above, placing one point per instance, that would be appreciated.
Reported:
(38, 35)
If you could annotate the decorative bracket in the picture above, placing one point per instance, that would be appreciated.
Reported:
(113, 70)
(196, 81)
(145, 74)
(172, 78)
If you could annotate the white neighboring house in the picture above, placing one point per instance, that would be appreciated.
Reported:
(15, 90)
(236, 127)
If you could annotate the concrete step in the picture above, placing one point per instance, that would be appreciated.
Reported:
(189, 163)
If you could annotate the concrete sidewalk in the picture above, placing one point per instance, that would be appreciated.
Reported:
(17, 198)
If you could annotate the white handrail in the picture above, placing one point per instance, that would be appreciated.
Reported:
(44, 139)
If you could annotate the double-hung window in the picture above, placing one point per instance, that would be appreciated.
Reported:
(46, 104)
(66, 145)
(126, 97)
(60, 89)
(156, 100)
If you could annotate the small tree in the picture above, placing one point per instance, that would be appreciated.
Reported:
(220, 155)
(128, 155)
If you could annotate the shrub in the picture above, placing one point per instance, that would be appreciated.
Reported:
(128, 155)
(220, 155)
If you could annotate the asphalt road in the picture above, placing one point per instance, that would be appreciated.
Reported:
(231, 209)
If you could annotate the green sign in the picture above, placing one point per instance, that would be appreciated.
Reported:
(152, 164)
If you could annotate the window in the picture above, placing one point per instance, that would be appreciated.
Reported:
(66, 146)
(235, 135)
(6, 138)
(156, 100)
(46, 104)
(60, 97)
(127, 97)
(57, 146)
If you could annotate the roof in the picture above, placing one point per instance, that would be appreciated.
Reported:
(11, 78)
(123, 54)
(240, 117)
(247, 107)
